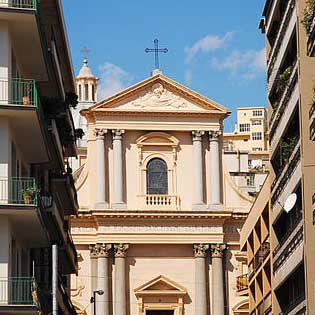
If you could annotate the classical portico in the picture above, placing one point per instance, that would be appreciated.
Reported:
(159, 223)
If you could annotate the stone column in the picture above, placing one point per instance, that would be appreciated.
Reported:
(118, 168)
(215, 181)
(120, 279)
(198, 172)
(200, 252)
(100, 168)
(102, 301)
(217, 252)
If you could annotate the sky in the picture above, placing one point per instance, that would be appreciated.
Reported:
(215, 47)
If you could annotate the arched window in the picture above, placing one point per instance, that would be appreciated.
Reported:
(157, 183)
(86, 88)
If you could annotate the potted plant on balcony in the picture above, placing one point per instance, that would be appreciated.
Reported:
(29, 194)
(284, 79)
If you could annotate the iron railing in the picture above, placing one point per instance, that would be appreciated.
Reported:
(18, 190)
(289, 231)
(242, 282)
(284, 175)
(18, 92)
(21, 4)
(18, 291)
(288, 250)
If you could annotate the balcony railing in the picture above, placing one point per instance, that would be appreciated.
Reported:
(288, 250)
(297, 304)
(290, 230)
(21, 4)
(171, 202)
(282, 30)
(283, 103)
(242, 283)
(18, 291)
(18, 191)
(18, 92)
(284, 174)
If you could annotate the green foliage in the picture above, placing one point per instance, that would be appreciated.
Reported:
(284, 79)
(308, 14)
(287, 148)
(30, 191)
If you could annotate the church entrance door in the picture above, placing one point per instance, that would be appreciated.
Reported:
(160, 312)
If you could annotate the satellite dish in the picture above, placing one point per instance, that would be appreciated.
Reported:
(290, 203)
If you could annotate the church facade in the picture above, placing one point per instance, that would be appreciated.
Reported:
(159, 220)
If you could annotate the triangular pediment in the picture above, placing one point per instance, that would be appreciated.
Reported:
(159, 94)
(160, 284)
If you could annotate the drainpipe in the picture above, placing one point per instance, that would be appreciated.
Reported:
(54, 279)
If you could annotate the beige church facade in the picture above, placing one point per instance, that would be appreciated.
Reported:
(159, 220)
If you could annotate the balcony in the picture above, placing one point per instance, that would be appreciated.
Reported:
(159, 202)
(279, 39)
(280, 106)
(295, 307)
(242, 283)
(292, 229)
(18, 294)
(285, 173)
(287, 249)
(19, 103)
(19, 4)
(308, 21)
(18, 191)
(64, 185)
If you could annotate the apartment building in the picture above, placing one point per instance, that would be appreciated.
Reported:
(254, 280)
(247, 147)
(289, 29)
(37, 136)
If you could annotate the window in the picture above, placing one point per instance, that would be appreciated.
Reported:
(257, 112)
(157, 183)
(256, 122)
(244, 127)
(86, 88)
(256, 136)
(257, 149)
(80, 92)
(250, 180)
(93, 93)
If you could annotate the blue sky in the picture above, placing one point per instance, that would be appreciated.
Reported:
(215, 47)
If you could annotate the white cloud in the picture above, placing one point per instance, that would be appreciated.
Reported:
(244, 64)
(113, 79)
(207, 44)
(188, 77)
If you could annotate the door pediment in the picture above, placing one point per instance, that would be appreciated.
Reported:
(160, 286)
(159, 94)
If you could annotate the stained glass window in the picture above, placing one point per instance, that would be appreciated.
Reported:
(157, 183)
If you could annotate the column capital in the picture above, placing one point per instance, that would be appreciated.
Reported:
(121, 250)
(100, 250)
(214, 135)
(200, 250)
(197, 135)
(99, 133)
(217, 250)
(117, 134)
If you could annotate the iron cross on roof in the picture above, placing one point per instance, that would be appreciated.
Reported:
(85, 51)
(156, 51)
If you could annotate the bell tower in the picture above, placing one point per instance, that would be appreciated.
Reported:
(86, 85)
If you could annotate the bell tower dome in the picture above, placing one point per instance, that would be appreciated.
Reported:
(86, 84)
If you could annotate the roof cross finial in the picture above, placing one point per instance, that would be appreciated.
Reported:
(85, 51)
(156, 51)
